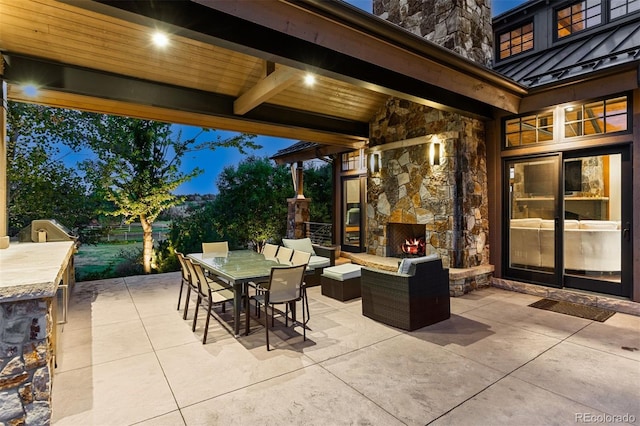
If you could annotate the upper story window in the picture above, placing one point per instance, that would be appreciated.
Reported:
(353, 160)
(619, 8)
(578, 17)
(530, 129)
(592, 118)
(516, 41)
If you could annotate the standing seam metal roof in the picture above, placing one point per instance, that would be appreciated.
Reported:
(615, 46)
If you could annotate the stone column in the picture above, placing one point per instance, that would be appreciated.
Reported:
(297, 216)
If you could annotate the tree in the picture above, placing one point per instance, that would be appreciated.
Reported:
(137, 166)
(189, 231)
(318, 185)
(36, 175)
(251, 206)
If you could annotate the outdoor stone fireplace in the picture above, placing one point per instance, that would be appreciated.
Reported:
(448, 197)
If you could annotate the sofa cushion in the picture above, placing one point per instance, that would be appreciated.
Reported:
(532, 222)
(547, 224)
(405, 265)
(302, 244)
(598, 224)
(571, 224)
(319, 262)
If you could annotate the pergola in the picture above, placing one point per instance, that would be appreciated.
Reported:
(236, 66)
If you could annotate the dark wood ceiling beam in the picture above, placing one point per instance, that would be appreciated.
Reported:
(87, 82)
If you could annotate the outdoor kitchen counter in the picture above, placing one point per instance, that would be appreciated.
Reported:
(33, 270)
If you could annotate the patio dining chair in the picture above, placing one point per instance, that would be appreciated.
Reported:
(285, 286)
(300, 257)
(269, 251)
(207, 294)
(221, 247)
(213, 284)
(284, 254)
(184, 270)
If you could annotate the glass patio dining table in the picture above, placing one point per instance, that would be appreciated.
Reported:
(238, 267)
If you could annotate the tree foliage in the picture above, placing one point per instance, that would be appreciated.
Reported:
(134, 171)
(251, 207)
(318, 185)
(198, 225)
(137, 167)
(37, 177)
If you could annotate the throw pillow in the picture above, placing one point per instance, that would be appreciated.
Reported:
(405, 265)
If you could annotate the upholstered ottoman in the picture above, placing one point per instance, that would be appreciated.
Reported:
(341, 282)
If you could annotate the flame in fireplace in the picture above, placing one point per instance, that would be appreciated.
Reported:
(415, 246)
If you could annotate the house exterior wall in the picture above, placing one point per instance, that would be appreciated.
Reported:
(450, 199)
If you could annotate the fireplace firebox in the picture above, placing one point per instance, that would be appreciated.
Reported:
(405, 239)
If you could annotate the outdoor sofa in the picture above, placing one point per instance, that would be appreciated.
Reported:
(413, 297)
(321, 257)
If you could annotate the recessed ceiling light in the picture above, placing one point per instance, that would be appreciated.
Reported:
(160, 39)
(309, 79)
(30, 90)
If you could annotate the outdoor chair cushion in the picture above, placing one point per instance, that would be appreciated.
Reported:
(319, 262)
(302, 244)
(342, 272)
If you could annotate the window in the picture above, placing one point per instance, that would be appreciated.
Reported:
(516, 41)
(592, 118)
(353, 161)
(528, 130)
(578, 17)
(619, 8)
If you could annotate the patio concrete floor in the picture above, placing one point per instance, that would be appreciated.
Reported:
(126, 356)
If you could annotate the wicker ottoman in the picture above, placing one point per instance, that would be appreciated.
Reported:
(341, 282)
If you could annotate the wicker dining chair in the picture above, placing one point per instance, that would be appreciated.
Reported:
(285, 286)
(206, 293)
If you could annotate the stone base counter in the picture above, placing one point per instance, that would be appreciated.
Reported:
(30, 275)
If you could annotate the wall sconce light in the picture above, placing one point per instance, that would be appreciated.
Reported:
(435, 153)
(374, 162)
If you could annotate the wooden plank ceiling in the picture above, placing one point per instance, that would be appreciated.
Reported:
(85, 58)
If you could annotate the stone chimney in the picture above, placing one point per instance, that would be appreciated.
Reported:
(463, 26)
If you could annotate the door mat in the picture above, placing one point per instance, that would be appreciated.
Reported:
(574, 309)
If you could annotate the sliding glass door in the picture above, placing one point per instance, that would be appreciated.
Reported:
(569, 220)
(597, 221)
(533, 219)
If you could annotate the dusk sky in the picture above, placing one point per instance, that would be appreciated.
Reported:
(212, 162)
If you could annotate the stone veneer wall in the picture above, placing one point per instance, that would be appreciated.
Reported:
(297, 215)
(450, 198)
(463, 26)
(25, 362)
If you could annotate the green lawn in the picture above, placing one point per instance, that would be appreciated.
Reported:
(95, 259)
